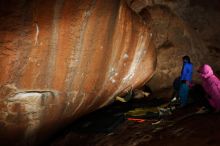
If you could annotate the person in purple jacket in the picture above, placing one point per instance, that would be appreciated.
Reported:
(182, 83)
(185, 78)
(187, 70)
(211, 85)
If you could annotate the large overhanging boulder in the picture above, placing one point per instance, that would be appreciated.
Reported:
(61, 59)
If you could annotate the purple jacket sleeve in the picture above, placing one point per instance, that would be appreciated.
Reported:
(187, 71)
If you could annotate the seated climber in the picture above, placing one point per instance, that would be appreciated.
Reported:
(211, 85)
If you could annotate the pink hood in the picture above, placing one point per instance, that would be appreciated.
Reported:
(205, 71)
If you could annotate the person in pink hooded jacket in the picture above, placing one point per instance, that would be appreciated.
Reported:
(211, 85)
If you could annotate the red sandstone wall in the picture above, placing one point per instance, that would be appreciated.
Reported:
(60, 59)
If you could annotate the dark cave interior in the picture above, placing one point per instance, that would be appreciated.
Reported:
(98, 72)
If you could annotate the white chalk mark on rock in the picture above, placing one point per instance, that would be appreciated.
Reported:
(125, 56)
(37, 34)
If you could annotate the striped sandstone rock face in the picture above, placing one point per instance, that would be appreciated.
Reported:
(60, 59)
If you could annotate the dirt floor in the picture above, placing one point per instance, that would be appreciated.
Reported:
(180, 129)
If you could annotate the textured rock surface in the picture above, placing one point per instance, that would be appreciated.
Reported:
(173, 39)
(60, 59)
(64, 58)
(181, 27)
